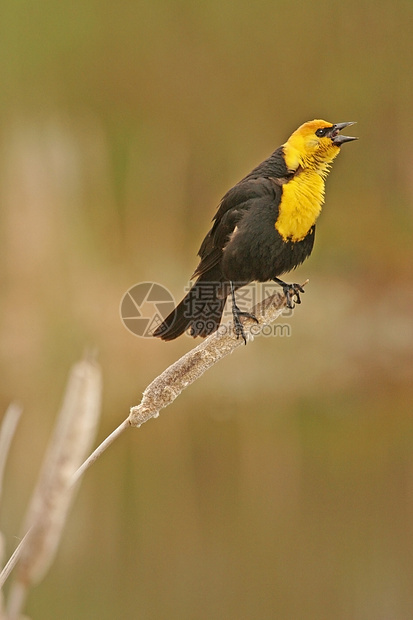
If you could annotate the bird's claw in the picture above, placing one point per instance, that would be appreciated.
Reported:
(238, 326)
(291, 291)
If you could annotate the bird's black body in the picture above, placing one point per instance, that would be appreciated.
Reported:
(242, 246)
(256, 250)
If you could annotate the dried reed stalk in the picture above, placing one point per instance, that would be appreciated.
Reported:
(75, 429)
(165, 388)
(7, 431)
(74, 432)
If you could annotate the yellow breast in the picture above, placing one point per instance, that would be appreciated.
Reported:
(301, 202)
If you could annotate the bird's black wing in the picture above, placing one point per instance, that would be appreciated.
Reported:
(233, 207)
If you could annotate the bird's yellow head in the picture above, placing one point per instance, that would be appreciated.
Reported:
(314, 145)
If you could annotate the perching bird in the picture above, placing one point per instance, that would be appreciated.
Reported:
(264, 227)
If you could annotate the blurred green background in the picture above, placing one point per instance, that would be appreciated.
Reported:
(280, 485)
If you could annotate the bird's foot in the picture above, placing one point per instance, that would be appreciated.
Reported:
(238, 326)
(291, 291)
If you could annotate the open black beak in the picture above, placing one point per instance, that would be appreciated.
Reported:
(337, 138)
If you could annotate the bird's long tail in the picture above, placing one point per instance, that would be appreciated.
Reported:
(200, 310)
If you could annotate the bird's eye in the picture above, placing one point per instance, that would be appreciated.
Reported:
(320, 133)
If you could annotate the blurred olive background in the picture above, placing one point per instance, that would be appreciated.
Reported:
(280, 485)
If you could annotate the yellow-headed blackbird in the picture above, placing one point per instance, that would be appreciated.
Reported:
(264, 227)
